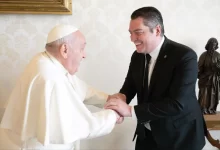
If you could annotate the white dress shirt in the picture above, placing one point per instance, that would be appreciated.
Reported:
(46, 109)
(154, 54)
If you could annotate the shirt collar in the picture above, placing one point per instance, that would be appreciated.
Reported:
(154, 54)
(57, 63)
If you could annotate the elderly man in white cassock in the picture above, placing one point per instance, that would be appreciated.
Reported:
(46, 109)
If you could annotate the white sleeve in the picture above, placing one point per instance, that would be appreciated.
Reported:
(90, 95)
(95, 97)
(133, 115)
(70, 120)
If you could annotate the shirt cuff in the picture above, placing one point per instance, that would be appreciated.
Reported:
(133, 115)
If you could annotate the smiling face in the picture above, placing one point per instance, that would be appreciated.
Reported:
(76, 53)
(144, 38)
(72, 52)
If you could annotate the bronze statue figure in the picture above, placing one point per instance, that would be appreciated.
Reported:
(209, 77)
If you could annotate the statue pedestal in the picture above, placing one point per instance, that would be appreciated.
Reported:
(213, 121)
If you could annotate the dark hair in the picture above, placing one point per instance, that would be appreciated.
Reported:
(152, 17)
(212, 44)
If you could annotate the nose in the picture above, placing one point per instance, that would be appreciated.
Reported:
(84, 54)
(133, 37)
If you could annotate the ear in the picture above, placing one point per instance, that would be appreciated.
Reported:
(158, 30)
(63, 50)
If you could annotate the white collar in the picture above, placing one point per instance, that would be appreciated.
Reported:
(57, 63)
(154, 54)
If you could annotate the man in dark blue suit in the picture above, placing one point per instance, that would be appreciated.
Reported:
(163, 74)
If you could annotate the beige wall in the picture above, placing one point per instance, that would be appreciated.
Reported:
(105, 25)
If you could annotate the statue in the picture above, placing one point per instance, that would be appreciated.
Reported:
(209, 77)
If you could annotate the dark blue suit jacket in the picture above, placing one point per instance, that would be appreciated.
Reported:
(171, 106)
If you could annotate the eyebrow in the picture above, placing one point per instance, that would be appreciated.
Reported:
(135, 30)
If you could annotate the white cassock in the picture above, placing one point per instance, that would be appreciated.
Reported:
(46, 109)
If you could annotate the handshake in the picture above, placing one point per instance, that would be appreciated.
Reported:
(117, 102)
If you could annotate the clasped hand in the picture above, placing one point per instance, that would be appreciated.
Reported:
(117, 102)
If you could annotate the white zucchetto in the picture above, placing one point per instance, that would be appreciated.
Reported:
(59, 32)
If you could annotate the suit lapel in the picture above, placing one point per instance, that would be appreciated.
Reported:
(159, 64)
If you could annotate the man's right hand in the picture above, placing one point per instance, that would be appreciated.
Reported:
(121, 96)
(117, 95)
(118, 105)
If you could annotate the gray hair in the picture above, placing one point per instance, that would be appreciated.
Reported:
(152, 17)
(55, 45)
